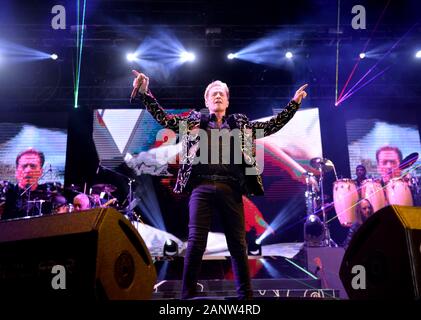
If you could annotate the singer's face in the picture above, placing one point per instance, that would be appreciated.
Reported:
(217, 99)
(388, 165)
(28, 170)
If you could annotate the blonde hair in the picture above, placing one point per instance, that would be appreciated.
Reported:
(214, 84)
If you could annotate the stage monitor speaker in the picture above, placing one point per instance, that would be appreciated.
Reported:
(95, 254)
(383, 258)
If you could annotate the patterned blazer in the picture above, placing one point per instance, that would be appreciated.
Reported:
(187, 127)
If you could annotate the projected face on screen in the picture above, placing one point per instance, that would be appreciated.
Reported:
(29, 168)
(33, 148)
(380, 146)
(388, 161)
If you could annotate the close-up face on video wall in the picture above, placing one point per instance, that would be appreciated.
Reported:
(43, 132)
(133, 137)
(381, 145)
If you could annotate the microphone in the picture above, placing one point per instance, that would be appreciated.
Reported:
(50, 168)
(99, 167)
(136, 88)
(133, 95)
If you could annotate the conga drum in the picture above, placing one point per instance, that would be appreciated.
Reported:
(345, 198)
(372, 190)
(398, 192)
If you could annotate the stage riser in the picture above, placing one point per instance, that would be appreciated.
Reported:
(257, 284)
(263, 268)
(258, 294)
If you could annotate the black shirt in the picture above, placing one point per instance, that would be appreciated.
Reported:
(224, 153)
(31, 203)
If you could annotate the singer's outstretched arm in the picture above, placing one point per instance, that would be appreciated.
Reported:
(169, 121)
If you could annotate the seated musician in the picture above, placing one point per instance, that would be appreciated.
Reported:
(360, 172)
(60, 205)
(364, 211)
(81, 202)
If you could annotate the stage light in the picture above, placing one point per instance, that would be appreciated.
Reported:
(231, 56)
(288, 55)
(313, 231)
(54, 56)
(187, 56)
(254, 247)
(418, 54)
(170, 248)
(131, 57)
(362, 55)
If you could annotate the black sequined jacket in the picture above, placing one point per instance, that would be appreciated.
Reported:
(187, 127)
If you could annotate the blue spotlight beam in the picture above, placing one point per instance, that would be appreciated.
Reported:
(282, 218)
(266, 51)
(160, 54)
(20, 53)
(148, 203)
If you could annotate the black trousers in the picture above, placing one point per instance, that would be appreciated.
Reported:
(205, 198)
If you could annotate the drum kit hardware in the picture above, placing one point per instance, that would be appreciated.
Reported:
(129, 209)
(73, 188)
(106, 188)
(323, 165)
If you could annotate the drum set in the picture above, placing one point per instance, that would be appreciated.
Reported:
(53, 198)
(347, 195)
(316, 231)
(99, 195)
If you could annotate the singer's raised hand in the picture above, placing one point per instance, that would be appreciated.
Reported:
(140, 83)
(300, 94)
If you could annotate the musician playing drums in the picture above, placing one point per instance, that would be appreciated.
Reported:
(81, 202)
(360, 172)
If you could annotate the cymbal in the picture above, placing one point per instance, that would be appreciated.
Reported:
(321, 163)
(53, 186)
(73, 188)
(107, 188)
(48, 188)
(409, 160)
